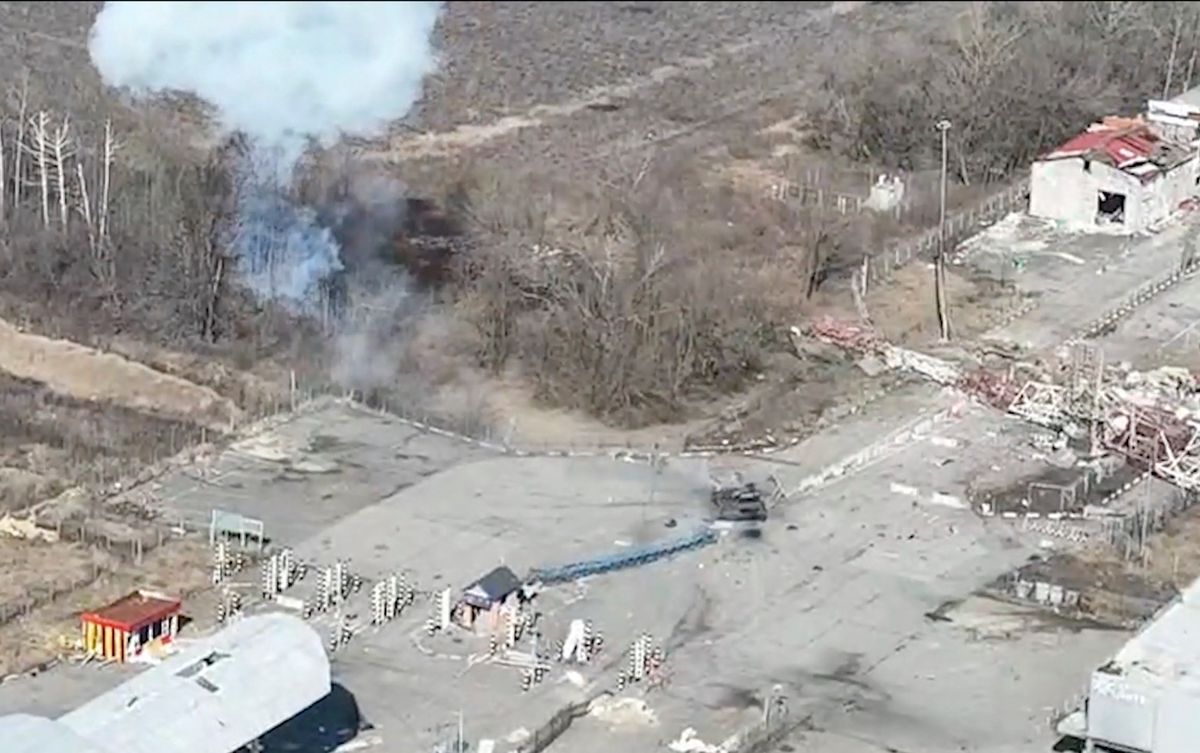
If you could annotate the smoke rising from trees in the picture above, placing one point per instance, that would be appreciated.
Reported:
(285, 75)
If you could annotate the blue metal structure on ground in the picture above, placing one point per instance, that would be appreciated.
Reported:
(629, 558)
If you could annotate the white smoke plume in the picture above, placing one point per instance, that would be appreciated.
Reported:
(281, 72)
(284, 74)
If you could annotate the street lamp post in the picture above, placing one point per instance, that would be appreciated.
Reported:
(939, 264)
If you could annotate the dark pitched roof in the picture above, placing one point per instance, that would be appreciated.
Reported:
(497, 584)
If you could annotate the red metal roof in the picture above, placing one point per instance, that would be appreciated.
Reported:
(1128, 144)
(135, 610)
(1120, 146)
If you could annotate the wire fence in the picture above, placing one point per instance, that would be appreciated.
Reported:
(97, 533)
(882, 265)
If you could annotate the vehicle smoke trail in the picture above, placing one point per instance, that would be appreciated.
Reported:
(284, 74)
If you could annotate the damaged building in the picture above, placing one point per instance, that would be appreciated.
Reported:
(1125, 171)
(1146, 699)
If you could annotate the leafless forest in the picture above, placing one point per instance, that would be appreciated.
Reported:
(624, 273)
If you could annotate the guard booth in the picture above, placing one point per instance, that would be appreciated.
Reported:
(130, 625)
(487, 596)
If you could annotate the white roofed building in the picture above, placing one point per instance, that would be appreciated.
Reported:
(1147, 698)
(215, 696)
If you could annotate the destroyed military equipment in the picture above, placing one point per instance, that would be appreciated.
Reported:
(739, 503)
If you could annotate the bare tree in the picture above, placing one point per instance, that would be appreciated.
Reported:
(1048, 69)
(3, 181)
(62, 150)
(205, 228)
(622, 317)
(41, 149)
(108, 153)
(19, 145)
(85, 210)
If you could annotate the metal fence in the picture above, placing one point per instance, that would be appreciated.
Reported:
(1129, 533)
(836, 201)
(882, 265)
(89, 532)
(545, 735)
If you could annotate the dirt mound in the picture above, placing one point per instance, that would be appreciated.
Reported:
(88, 374)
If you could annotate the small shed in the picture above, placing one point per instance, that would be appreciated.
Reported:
(125, 628)
(488, 594)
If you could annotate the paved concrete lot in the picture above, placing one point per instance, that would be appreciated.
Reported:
(1165, 331)
(1075, 277)
(524, 512)
(323, 464)
(835, 610)
(830, 601)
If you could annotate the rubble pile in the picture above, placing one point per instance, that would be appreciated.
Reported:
(863, 340)
(1149, 418)
(1169, 387)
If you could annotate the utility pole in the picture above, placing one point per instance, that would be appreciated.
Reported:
(939, 264)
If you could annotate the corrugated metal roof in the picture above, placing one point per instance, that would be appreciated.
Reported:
(1128, 144)
(134, 610)
(24, 733)
(216, 695)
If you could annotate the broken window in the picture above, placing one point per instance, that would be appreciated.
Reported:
(1110, 207)
(1087, 165)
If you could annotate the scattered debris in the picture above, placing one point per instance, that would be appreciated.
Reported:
(622, 711)
(689, 742)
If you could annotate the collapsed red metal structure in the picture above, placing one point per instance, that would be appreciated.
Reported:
(1151, 438)
(846, 335)
(1146, 436)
